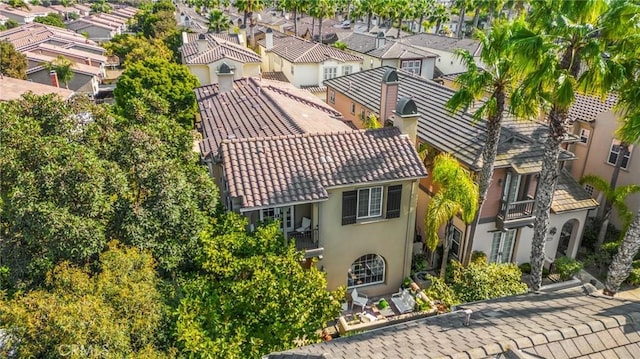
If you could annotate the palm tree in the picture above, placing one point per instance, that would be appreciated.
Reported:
(296, 7)
(462, 6)
(63, 68)
(621, 264)
(615, 196)
(248, 7)
(364, 8)
(499, 79)
(422, 9)
(566, 38)
(439, 15)
(322, 9)
(457, 195)
(218, 21)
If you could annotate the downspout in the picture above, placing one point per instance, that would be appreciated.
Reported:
(409, 246)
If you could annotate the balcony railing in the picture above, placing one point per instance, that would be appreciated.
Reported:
(307, 241)
(519, 209)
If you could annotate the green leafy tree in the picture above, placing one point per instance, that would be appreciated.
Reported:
(115, 310)
(371, 122)
(101, 6)
(172, 82)
(457, 194)
(296, 7)
(63, 68)
(52, 19)
(498, 79)
(12, 62)
(481, 280)
(438, 16)
(131, 48)
(566, 37)
(254, 298)
(364, 8)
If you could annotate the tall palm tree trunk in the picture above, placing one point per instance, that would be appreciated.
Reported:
(621, 265)
(320, 29)
(461, 20)
(369, 21)
(420, 27)
(399, 26)
(313, 27)
(544, 194)
(446, 245)
(295, 21)
(476, 17)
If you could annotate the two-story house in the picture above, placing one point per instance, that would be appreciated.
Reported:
(204, 53)
(504, 231)
(445, 47)
(305, 64)
(347, 197)
(597, 150)
(377, 50)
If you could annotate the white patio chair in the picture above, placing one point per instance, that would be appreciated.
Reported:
(359, 299)
(305, 225)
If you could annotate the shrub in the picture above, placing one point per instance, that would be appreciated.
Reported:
(406, 282)
(636, 264)
(383, 304)
(418, 263)
(525, 268)
(421, 305)
(479, 257)
(634, 276)
(481, 281)
(567, 267)
(440, 291)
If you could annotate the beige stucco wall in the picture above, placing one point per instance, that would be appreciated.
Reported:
(592, 158)
(207, 73)
(390, 238)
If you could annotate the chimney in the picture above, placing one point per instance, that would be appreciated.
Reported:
(54, 79)
(242, 35)
(202, 43)
(388, 94)
(225, 78)
(381, 40)
(268, 42)
(406, 118)
(88, 61)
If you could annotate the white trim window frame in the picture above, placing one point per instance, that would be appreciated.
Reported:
(456, 237)
(614, 152)
(369, 203)
(585, 134)
(411, 66)
(367, 270)
(332, 96)
(347, 69)
(330, 72)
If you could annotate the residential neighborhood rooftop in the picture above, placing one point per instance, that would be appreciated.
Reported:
(267, 172)
(261, 108)
(570, 195)
(216, 49)
(12, 89)
(297, 50)
(569, 323)
(25, 36)
(587, 107)
(444, 43)
(366, 44)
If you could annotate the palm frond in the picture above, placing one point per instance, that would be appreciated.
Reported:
(598, 183)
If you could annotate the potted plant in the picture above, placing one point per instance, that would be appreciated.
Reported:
(383, 304)
(406, 283)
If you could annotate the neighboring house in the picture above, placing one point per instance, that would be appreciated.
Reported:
(84, 9)
(597, 149)
(305, 63)
(43, 44)
(504, 231)
(204, 53)
(347, 196)
(126, 12)
(95, 28)
(570, 323)
(379, 51)
(13, 89)
(445, 47)
(23, 15)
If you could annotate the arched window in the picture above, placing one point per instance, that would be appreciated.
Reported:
(366, 270)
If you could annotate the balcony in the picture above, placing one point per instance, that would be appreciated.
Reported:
(308, 242)
(516, 214)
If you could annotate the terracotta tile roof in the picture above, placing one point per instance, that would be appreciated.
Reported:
(315, 89)
(570, 195)
(570, 323)
(297, 50)
(366, 44)
(586, 108)
(260, 109)
(277, 76)
(458, 134)
(233, 38)
(267, 172)
(31, 34)
(217, 49)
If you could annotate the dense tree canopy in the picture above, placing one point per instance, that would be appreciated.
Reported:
(12, 62)
(255, 297)
(53, 19)
(172, 82)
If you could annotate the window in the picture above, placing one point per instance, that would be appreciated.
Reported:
(456, 235)
(353, 108)
(366, 270)
(330, 72)
(615, 151)
(332, 96)
(362, 114)
(411, 66)
(347, 69)
(584, 135)
(502, 246)
(369, 202)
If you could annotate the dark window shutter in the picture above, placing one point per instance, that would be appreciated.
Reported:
(394, 196)
(349, 207)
